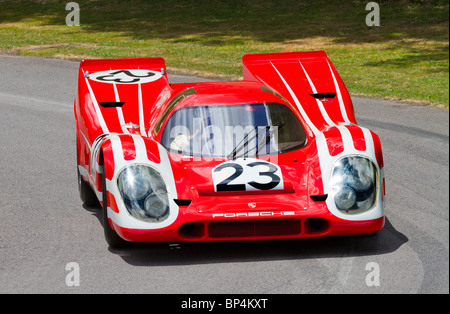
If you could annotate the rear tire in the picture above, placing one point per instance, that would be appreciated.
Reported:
(111, 237)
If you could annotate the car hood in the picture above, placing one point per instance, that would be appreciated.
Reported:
(279, 182)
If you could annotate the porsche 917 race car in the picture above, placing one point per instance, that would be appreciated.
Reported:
(278, 155)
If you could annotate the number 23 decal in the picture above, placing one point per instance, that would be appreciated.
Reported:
(247, 175)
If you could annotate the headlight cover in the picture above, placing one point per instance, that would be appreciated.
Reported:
(354, 184)
(144, 193)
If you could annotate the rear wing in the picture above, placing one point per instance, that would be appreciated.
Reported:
(155, 64)
(254, 64)
(308, 80)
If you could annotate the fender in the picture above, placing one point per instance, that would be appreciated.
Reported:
(348, 143)
(121, 150)
(116, 94)
(104, 156)
(309, 81)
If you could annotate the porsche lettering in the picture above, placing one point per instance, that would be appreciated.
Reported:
(254, 214)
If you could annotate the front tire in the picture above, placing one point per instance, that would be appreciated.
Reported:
(87, 196)
(111, 237)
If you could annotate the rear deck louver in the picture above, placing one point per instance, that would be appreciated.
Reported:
(111, 104)
(324, 96)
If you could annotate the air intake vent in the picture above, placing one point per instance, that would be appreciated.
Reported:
(324, 96)
(182, 202)
(111, 104)
(319, 198)
(262, 228)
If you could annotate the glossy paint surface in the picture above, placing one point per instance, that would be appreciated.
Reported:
(122, 106)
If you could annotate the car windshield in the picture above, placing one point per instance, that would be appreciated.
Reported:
(233, 131)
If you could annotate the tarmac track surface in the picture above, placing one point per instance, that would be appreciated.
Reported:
(44, 226)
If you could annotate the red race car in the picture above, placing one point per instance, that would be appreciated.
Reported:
(278, 155)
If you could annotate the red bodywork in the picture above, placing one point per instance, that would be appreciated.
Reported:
(120, 115)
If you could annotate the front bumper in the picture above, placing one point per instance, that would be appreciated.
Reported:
(256, 225)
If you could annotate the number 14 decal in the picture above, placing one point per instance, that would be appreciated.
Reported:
(247, 175)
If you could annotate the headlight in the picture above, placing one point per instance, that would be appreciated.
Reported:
(353, 184)
(344, 197)
(144, 193)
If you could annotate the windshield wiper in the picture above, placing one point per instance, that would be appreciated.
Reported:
(269, 135)
(240, 145)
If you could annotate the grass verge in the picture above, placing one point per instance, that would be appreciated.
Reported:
(406, 58)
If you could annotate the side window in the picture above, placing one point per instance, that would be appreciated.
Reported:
(171, 105)
(269, 90)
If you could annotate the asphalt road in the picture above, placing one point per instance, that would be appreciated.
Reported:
(43, 225)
